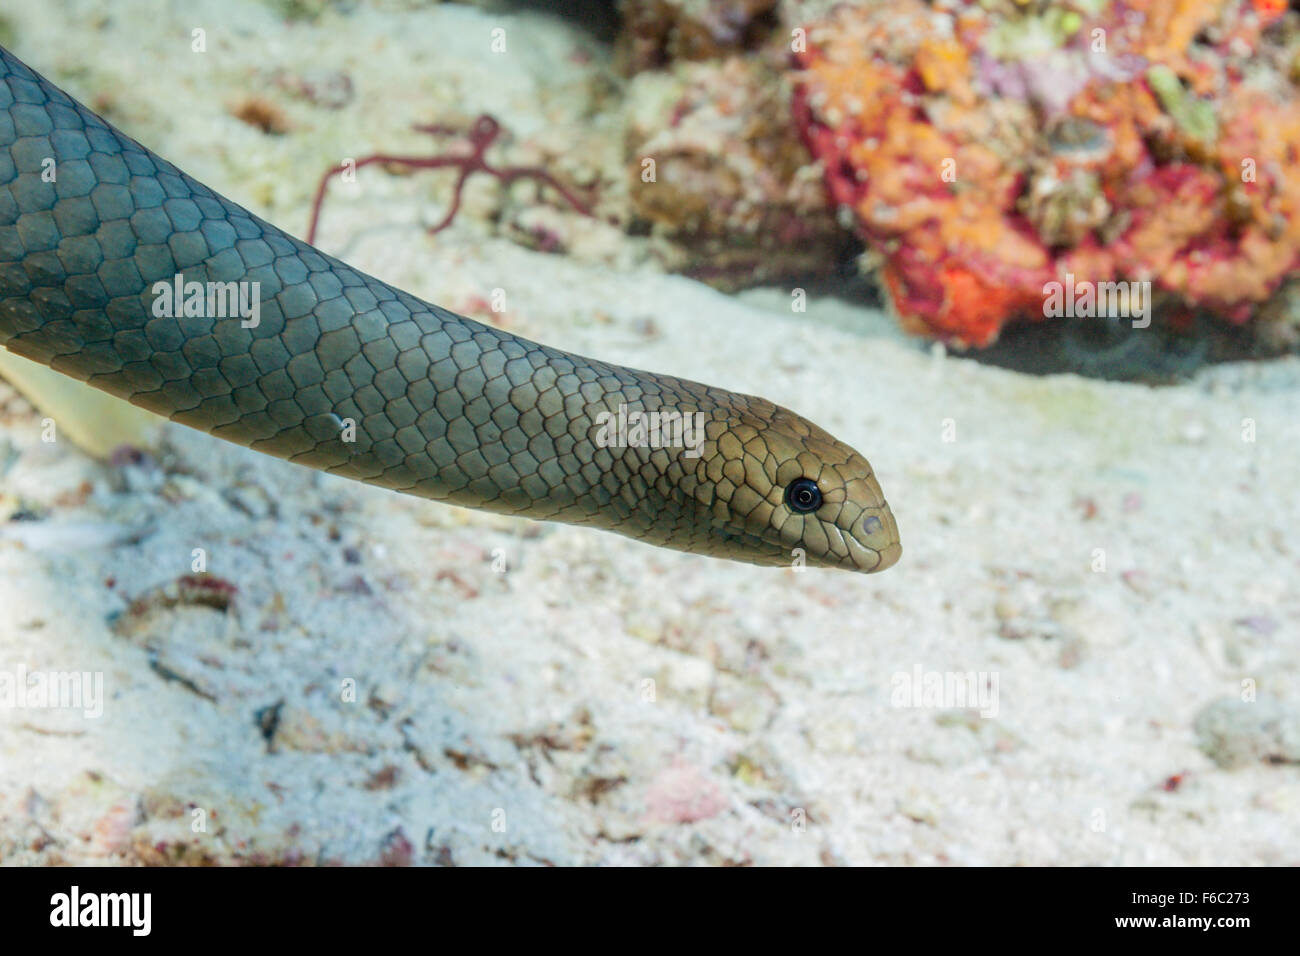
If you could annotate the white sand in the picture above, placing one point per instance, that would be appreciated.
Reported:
(515, 708)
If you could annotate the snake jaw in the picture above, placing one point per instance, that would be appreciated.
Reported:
(876, 546)
(867, 524)
(869, 545)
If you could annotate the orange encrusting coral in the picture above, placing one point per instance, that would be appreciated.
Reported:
(981, 170)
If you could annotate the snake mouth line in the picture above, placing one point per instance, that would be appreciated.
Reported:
(861, 557)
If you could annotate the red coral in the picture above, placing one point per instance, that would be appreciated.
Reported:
(981, 175)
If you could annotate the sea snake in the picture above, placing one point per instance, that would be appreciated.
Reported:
(344, 373)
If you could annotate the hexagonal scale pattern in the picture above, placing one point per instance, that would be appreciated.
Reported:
(442, 406)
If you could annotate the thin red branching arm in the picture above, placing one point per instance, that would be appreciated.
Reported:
(481, 135)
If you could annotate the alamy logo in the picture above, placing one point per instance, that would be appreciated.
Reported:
(638, 429)
(217, 300)
(53, 690)
(1103, 300)
(946, 690)
(103, 909)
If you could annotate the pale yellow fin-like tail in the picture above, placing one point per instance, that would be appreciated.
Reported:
(94, 421)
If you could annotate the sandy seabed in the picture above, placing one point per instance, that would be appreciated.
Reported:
(1117, 561)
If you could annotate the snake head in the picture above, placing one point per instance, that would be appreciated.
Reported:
(783, 491)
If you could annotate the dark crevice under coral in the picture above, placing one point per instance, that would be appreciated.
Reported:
(1159, 355)
(599, 18)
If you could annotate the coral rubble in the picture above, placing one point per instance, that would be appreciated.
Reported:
(716, 169)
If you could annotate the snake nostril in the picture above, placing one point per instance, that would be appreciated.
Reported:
(872, 525)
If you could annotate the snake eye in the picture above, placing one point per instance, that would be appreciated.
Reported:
(803, 495)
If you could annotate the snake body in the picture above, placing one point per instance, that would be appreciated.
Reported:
(349, 375)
